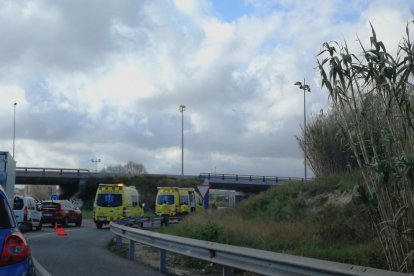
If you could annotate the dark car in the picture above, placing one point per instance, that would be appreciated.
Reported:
(15, 258)
(61, 212)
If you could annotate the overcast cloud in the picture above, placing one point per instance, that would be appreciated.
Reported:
(105, 79)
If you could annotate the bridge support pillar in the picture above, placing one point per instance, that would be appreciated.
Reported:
(118, 240)
(82, 182)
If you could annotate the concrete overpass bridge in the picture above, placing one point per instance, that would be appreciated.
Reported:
(62, 176)
(245, 183)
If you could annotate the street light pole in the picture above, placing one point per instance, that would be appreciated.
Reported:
(182, 109)
(96, 161)
(305, 88)
(14, 126)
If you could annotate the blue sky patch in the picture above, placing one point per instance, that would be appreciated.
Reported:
(230, 10)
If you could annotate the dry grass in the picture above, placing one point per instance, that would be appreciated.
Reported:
(287, 220)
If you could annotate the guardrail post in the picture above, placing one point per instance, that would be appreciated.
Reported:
(237, 177)
(227, 271)
(222, 176)
(163, 268)
(118, 240)
(277, 179)
(131, 255)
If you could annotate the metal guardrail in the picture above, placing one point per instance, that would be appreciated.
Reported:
(246, 259)
(139, 221)
(210, 176)
(51, 171)
(81, 173)
(247, 178)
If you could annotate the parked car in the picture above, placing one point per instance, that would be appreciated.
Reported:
(61, 212)
(15, 258)
(27, 212)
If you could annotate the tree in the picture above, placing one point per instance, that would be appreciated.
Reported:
(328, 152)
(130, 168)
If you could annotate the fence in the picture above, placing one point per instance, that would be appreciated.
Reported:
(230, 257)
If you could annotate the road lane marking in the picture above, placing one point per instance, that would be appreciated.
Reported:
(40, 268)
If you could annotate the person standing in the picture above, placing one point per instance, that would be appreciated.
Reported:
(165, 213)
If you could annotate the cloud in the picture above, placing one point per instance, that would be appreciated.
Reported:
(106, 81)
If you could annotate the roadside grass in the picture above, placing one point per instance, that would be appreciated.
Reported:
(87, 213)
(295, 219)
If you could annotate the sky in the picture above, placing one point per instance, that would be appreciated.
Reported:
(105, 79)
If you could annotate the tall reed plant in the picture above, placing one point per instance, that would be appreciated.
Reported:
(373, 95)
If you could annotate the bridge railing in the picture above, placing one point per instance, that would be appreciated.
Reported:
(229, 256)
(57, 171)
(246, 178)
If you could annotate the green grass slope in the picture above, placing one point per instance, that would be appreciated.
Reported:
(322, 219)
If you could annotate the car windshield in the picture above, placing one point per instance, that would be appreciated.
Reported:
(167, 198)
(50, 205)
(109, 200)
(18, 203)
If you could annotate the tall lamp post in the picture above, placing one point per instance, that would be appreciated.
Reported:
(305, 88)
(96, 161)
(182, 109)
(14, 126)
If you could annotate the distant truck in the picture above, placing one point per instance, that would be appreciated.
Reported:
(7, 174)
(114, 202)
(180, 201)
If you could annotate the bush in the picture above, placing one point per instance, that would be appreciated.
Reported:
(209, 231)
(345, 225)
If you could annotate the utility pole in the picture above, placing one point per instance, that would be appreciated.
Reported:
(182, 109)
(14, 127)
(305, 88)
(96, 161)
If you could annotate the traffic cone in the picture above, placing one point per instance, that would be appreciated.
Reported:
(61, 232)
(55, 229)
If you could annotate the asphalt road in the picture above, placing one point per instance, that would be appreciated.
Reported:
(82, 252)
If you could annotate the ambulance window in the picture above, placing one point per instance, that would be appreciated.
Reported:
(168, 198)
(109, 200)
(134, 200)
(184, 199)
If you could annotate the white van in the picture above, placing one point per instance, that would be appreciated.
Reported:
(28, 213)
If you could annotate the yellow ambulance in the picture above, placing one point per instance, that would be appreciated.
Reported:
(114, 202)
(180, 201)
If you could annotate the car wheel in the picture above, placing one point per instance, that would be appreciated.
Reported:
(30, 225)
(79, 221)
(39, 227)
(98, 225)
(65, 222)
